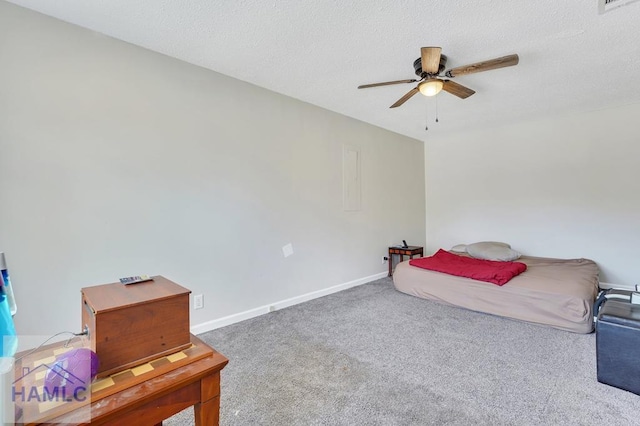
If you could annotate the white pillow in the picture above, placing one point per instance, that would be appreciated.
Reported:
(460, 248)
(491, 250)
(493, 243)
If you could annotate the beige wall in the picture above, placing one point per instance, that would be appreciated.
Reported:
(117, 161)
(565, 186)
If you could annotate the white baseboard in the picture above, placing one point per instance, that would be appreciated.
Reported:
(605, 286)
(261, 310)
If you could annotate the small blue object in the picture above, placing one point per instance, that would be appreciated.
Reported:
(8, 290)
(8, 339)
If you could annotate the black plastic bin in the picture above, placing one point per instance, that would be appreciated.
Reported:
(618, 345)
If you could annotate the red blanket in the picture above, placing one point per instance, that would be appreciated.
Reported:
(482, 270)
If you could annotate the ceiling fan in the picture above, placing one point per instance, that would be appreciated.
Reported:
(430, 66)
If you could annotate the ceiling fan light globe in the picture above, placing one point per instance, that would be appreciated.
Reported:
(431, 87)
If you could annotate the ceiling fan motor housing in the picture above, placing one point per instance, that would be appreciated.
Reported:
(417, 65)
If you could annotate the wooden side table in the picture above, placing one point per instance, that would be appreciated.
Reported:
(403, 251)
(144, 395)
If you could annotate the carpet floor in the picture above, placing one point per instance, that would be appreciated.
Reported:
(371, 355)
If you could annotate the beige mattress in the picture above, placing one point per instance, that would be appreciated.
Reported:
(554, 292)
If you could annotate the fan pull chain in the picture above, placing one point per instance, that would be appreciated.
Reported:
(426, 110)
(436, 108)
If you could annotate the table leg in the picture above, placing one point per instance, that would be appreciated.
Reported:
(390, 264)
(207, 413)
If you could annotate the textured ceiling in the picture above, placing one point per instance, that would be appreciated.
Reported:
(571, 57)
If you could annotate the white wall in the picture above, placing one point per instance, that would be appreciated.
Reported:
(566, 186)
(117, 161)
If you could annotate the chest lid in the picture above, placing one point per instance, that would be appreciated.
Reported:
(108, 297)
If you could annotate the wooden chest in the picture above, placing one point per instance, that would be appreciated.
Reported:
(132, 324)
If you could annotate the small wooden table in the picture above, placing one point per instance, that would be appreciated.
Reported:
(136, 401)
(403, 251)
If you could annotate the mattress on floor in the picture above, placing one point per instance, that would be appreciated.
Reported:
(553, 292)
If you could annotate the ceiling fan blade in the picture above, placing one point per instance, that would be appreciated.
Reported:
(386, 83)
(430, 59)
(405, 98)
(491, 64)
(457, 89)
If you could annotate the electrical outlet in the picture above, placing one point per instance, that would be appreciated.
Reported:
(385, 259)
(198, 301)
